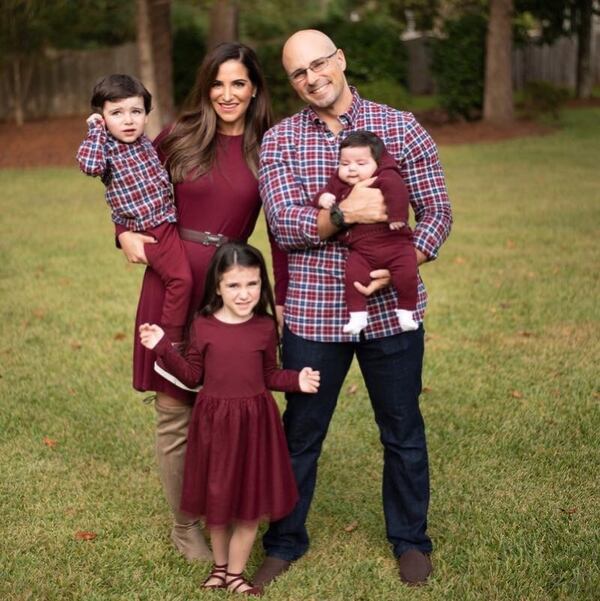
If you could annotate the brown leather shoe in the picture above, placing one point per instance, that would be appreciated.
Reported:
(415, 567)
(271, 568)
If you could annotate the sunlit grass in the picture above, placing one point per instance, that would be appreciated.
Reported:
(511, 400)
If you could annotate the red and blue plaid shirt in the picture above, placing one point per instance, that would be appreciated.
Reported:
(297, 157)
(138, 189)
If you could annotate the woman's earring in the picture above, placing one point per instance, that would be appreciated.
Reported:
(254, 95)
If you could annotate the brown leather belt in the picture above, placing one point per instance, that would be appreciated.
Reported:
(205, 238)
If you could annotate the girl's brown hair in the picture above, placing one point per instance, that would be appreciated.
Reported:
(191, 145)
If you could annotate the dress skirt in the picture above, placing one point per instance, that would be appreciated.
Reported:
(237, 465)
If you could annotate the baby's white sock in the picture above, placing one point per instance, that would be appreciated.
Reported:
(407, 323)
(358, 322)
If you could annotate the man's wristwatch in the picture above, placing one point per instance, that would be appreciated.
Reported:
(336, 216)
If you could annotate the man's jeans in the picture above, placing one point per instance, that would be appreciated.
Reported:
(391, 368)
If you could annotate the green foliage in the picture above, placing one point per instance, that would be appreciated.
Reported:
(189, 47)
(387, 91)
(372, 47)
(543, 98)
(458, 65)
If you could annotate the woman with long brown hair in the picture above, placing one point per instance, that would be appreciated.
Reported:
(211, 153)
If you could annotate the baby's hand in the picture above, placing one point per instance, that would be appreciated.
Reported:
(95, 117)
(309, 380)
(326, 200)
(150, 335)
(397, 225)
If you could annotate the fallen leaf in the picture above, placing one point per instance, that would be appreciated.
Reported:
(76, 345)
(85, 535)
(64, 282)
(71, 391)
(39, 313)
(352, 388)
(569, 510)
(459, 260)
(120, 336)
(510, 244)
(49, 442)
(525, 334)
(516, 394)
(351, 527)
(505, 305)
(426, 389)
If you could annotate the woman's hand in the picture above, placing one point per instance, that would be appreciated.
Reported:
(380, 278)
(279, 316)
(150, 335)
(132, 244)
(309, 380)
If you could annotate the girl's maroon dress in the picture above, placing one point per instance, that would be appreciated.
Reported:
(237, 466)
(223, 201)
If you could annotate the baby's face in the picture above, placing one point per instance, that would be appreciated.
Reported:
(356, 164)
(125, 119)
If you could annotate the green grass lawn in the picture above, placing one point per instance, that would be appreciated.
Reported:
(511, 400)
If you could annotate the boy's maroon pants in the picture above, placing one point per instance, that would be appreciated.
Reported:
(169, 260)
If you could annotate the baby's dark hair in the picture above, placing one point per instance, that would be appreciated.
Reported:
(362, 137)
(117, 87)
(243, 255)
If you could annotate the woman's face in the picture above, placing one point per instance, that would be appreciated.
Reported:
(230, 96)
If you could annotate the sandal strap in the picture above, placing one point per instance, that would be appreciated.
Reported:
(242, 582)
(215, 573)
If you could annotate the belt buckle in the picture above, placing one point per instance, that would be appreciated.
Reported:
(215, 239)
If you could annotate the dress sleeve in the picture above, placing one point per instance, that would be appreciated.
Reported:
(189, 368)
(291, 216)
(91, 155)
(285, 380)
(279, 258)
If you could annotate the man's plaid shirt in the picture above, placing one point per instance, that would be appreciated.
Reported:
(297, 157)
(138, 189)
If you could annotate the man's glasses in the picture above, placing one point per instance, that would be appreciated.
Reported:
(299, 75)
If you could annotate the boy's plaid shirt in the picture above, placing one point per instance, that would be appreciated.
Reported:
(138, 189)
(297, 157)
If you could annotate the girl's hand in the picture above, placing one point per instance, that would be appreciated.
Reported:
(150, 335)
(397, 225)
(132, 244)
(95, 117)
(309, 380)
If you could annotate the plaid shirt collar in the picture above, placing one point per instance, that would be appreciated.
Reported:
(347, 118)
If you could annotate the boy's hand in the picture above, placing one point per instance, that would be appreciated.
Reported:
(326, 200)
(95, 117)
(132, 244)
(309, 380)
(150, 335)
(397, 225)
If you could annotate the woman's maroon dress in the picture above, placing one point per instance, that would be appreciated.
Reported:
(237, 466)
(223, 201)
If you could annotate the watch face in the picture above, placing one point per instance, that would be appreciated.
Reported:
(337, 217)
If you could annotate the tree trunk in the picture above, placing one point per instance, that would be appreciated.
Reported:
(224, 18)
(584, 50)
(146, 63)
(160, 20)
(498, 96)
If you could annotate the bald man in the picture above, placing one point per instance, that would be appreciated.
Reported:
(297, 157)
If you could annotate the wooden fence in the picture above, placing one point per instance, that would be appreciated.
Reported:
(61, 83)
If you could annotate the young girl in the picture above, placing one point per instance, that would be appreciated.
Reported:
(237, 468)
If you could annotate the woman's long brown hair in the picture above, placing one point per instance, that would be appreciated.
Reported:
(191, 145)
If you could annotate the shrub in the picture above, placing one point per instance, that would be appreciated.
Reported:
(458, 65)
(543, 98)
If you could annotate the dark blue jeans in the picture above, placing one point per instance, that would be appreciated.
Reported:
(391, 368)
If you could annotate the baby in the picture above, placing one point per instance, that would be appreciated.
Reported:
(373, 246)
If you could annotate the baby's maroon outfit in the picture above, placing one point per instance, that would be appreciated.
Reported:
(237, 465)
(376, 246)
